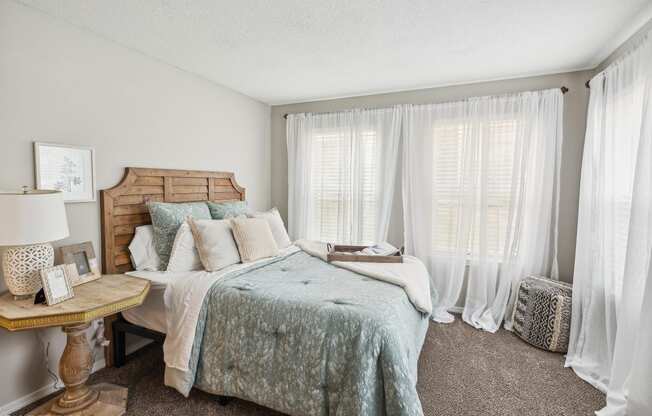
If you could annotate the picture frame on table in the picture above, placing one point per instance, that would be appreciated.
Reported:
(67, 168)
(56, 284)
(82, 256)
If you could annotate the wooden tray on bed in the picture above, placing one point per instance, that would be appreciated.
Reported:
(341, 253)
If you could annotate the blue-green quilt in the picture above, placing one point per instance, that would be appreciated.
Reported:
(303, 337)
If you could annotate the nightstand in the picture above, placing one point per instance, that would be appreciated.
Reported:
(94, 300)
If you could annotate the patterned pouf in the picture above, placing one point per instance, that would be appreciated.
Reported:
(543, 312)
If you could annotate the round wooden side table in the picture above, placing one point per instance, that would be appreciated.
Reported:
(94, 300)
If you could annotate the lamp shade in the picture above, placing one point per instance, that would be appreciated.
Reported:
(32, 217)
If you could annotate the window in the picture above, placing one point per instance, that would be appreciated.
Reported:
(341, 174)
(344, 187)
(476, 177)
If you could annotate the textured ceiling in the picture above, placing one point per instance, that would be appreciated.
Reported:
(281, 51)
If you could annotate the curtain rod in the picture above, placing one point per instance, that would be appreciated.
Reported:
(564, 90)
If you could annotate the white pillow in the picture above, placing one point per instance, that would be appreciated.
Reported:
(277, 227)
(184, 256)
(215, 244)
(142, 251)
(254, 239)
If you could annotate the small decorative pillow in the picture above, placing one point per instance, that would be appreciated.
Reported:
(184, 256)
(229, 209)
(166, 220)
(215, 244)
(254, 239)
(142, 250)
(277, 226)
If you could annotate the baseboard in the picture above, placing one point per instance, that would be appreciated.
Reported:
(27, 399)
(49, 389)
(456, 309)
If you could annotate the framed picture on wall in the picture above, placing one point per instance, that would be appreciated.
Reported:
(70, 169)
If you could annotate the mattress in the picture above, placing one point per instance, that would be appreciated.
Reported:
(151, 314)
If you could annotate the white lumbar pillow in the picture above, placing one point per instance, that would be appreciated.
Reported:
(215, 243)
(184, 256)
(277, 227)
(142, 250)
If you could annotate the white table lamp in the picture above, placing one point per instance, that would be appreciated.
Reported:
(29, 221)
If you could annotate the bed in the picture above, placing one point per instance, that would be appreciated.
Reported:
(123, 208)
(292, 333)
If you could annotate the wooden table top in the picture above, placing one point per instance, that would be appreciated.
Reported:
(102, 297)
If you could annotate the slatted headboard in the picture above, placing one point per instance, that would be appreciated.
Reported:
(123, 206)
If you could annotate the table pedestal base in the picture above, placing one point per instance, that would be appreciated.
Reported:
(78, 399)
(111, 401)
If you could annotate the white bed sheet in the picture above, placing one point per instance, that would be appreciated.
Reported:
(151, 314)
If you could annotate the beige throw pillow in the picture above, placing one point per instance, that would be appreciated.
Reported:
(277, 227)
(215, 244)
(254, 239)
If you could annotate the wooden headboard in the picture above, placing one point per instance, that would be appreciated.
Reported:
(123, 206)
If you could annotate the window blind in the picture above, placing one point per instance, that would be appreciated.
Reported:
(487, 196)
(344, 187)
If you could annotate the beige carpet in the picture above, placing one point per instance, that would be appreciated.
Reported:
(462, 371)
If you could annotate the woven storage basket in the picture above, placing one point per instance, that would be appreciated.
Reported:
(542, 313)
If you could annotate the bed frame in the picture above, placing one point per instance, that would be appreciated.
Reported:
(124, 208)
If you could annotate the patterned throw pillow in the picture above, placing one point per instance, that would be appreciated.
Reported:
(230, 209)
(166, 220)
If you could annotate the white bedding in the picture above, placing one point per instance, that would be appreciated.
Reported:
(151, 314)
(411, 275)
(158, 280)
(184, 294)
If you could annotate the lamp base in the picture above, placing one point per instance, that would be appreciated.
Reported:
(22, 297)
(21, 266)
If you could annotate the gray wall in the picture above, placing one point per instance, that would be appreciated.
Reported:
(574, 127)
(62, 84)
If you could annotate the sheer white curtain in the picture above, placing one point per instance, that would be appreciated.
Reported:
(480, 195)
(611, 334)
(341, 174)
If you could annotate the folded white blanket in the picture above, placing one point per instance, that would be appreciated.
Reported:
(411, 275)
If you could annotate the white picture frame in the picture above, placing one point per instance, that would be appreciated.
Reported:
(67, 168)
(56, 284)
